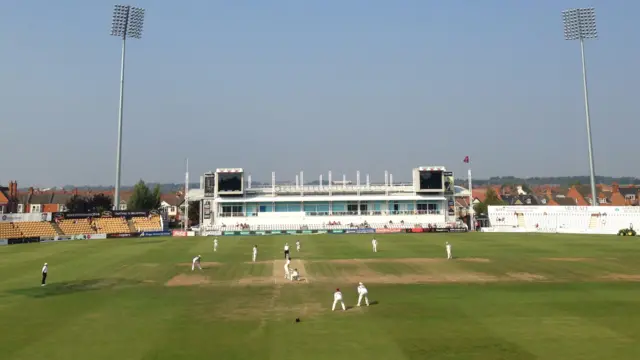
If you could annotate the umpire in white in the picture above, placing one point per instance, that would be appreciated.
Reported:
(45, 269)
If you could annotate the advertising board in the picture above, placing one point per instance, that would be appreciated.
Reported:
(23, 241)
(122, 235)
(155, 233)
(388, 231)
(366, 231)
(25, 217)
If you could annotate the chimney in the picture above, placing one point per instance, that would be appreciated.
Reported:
(75, 191)
(615, 188)
(30, 190)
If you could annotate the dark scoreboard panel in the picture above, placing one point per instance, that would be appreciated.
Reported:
(209, 185)
(431, 180)
(229, 182)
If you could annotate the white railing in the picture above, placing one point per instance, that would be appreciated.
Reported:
(265, 227)
(333, 188)
(337, 213)
(301, 218)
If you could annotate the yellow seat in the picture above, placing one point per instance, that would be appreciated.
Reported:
(112, 225)
(76, 227)
(36, 229)
(9, 231)
(143, 223)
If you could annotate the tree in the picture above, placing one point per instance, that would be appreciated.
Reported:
(77, 204)
(99, 203)
(194, 212)
(490, 198)
(156, 197)
(142, 199)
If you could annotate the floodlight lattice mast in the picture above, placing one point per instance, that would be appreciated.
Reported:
(580, 24)
(127, 23)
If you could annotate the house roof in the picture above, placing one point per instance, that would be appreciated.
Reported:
(23, 198)
(172, 199)
(41, 198)
(628, 190)
(479, 194)
(565, 201)
(462, 201)
(61, 198)
(585, 190)
(520, 200)
(3, 197)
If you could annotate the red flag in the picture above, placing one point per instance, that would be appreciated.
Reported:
(466, 159)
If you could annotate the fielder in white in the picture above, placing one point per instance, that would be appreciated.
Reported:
(374, 244)
(362, 293)
(255, 252)
(286, 251)
(45, 270)
(449, 255)
(215, 244)
(286, 268)
(298, 245)
(196, 263)
(337, 297)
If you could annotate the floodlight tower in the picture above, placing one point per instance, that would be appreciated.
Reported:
(127, 23)
(580, 24)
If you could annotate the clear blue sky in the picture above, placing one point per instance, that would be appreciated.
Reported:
(365, 85)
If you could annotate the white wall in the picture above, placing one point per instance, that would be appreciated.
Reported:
(564, 219)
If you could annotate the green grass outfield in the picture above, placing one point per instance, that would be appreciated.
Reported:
(505, 296)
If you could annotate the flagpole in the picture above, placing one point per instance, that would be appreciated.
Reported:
(185, 221)
(470, 199)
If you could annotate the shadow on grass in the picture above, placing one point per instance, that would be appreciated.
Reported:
(141, 241)
(374, 302)
(72, 287)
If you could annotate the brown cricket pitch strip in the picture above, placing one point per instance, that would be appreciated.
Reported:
(203, 264)
(405, 260)
(426, 273)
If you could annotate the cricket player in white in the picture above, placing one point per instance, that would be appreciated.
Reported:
(286, 268)
(215, 244)
(286, 251)
(362, 293)
(374, 243)
(298, 245)
(196, 263)
(295, 275)
(337, 297)
(45, 270)
(448, 246)
(255, 252)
